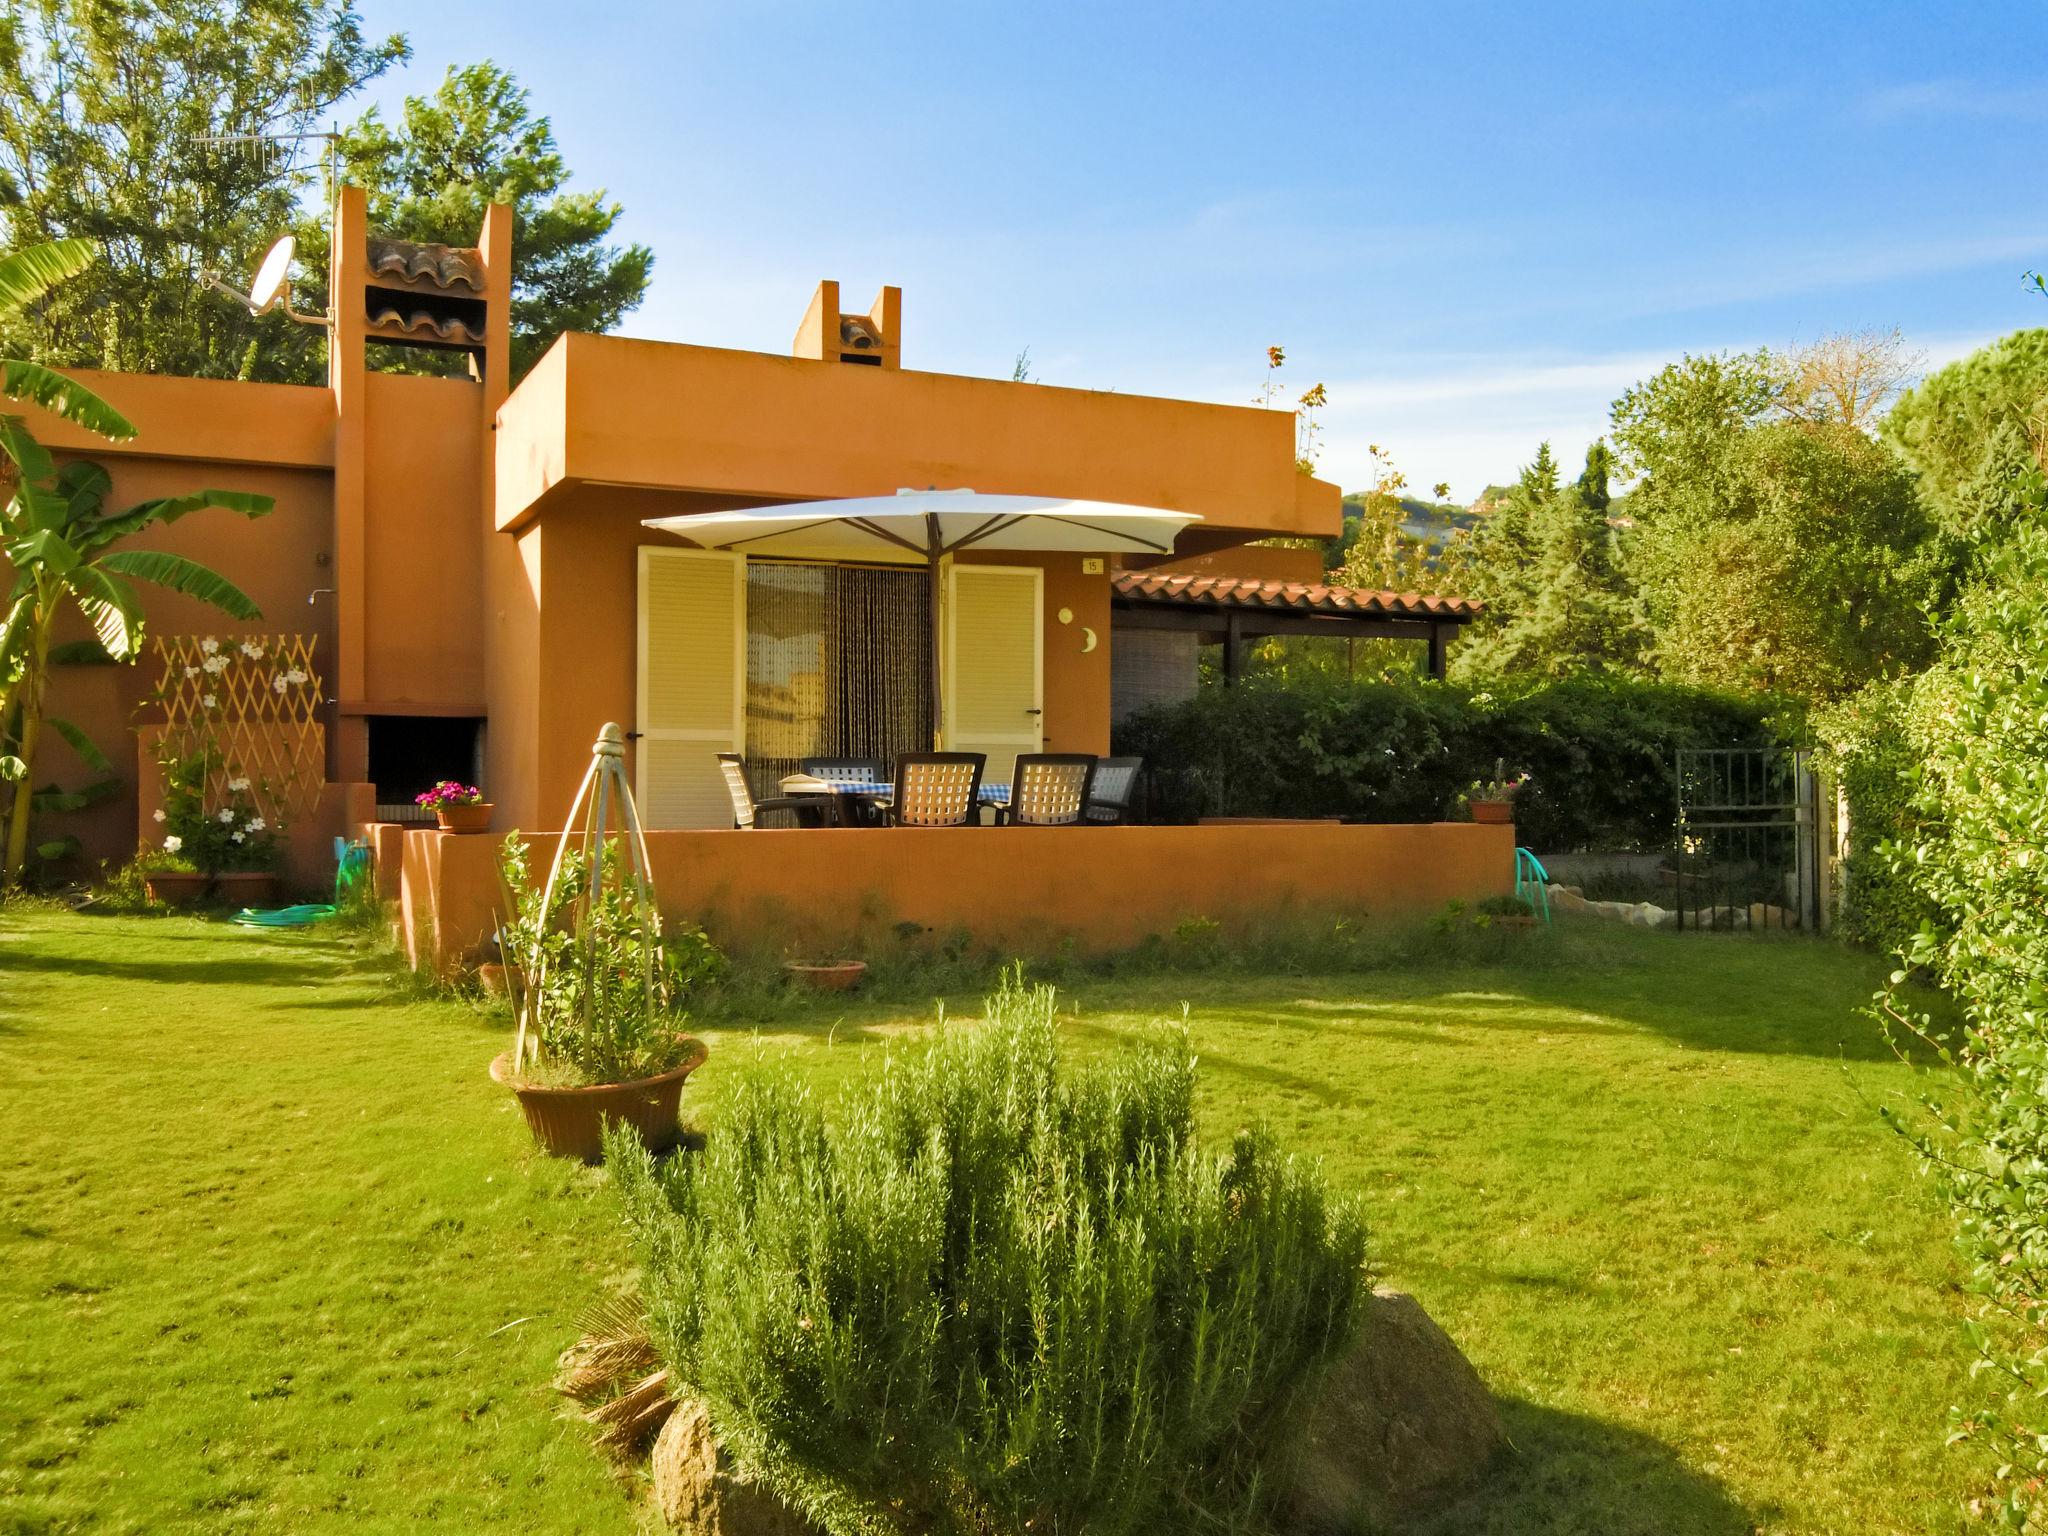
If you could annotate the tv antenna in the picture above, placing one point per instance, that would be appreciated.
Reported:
(278, 154)
(271, 287)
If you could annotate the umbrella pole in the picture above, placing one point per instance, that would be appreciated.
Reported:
(938, 654)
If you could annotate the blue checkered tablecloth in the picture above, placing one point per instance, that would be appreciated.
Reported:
(874, 789)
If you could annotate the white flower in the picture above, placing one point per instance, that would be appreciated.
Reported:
(295, 677)
(216, 664)
(173, 844)
(206, 701)
(252, 650)
(226, 815)
(256, 824)
(159, 814)
(190, 673)
(278, 682)
(237, 786)
(234, 837)
(209, 645)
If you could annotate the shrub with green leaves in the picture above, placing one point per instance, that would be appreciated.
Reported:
(982, 1293)
(1599, 752)
(1977, 735)
(1867, 750)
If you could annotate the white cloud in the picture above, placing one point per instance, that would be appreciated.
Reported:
(1475, 421)
(1952, 98)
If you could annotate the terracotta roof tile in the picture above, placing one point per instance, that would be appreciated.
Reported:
(442, 265)
(1301, 597)
(421, 324)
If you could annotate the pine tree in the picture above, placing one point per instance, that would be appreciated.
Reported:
(2006, 467)
(1557, 599)
(103, 135)
(473, 142)
(1538, 481)
(1593, 479)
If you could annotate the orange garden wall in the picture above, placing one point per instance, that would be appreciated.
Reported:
(1017, 890)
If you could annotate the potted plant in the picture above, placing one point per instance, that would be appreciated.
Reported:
(600, 1024)
(832, 976)
(214, 826)
(1492, 801)
(168, 877)
(457, 807)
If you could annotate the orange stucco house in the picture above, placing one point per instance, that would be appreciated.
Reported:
(472, 560)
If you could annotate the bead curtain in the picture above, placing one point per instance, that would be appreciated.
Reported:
(838, 665)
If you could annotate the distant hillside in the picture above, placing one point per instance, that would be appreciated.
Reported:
(1432, 522)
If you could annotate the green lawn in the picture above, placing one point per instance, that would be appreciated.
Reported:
(276, 1255)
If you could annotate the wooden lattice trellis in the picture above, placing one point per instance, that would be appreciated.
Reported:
(258, 698)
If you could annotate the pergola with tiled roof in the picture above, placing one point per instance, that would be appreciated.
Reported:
(1235, 610)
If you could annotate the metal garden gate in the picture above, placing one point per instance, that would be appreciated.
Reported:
(1748, 850)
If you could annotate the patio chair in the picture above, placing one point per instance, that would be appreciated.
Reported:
(937, 789)
(850, 770)
(1048, 789)
(1116, 786)
(747, 811)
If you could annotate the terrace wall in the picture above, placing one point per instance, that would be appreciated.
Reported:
(816, 893)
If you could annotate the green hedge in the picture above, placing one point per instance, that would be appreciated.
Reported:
(1866, 748)
(1976, 734)
(1599, 752)
(982, 1293)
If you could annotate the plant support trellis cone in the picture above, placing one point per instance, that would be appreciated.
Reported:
(603, 809)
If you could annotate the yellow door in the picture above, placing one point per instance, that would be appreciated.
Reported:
(994, 664)
(691, 697)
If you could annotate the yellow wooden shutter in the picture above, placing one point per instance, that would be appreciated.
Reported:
(994, 663)
(691, 684)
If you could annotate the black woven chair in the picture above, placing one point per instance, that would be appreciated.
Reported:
(1048, 789)
(746, 810)
(937, 789)
(849, 770)
(1115, 787)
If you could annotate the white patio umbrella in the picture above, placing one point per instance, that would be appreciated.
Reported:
(924, 527)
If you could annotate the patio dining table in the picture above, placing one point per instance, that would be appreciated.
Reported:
(846, 793)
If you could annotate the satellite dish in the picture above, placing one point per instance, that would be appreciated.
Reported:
(271, 275)
(271, 289)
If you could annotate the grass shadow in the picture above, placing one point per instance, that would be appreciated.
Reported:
(164, 972)
(1568, 1474)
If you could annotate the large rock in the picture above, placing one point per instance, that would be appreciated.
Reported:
(1401, 1423)
(697, 1489)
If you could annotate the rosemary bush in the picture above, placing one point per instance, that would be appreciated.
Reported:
(983, 1294)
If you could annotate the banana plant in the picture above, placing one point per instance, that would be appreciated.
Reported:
(58, 539)
(25, 276)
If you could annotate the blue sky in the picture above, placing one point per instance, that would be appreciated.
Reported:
(1475, 224)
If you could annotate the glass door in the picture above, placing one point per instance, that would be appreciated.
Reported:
(838, 665)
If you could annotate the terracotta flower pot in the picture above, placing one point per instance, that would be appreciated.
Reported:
(464, 818)
(570, 1122)
(1494, 813)
(247, 888)
(175, 887)
(843, 976)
